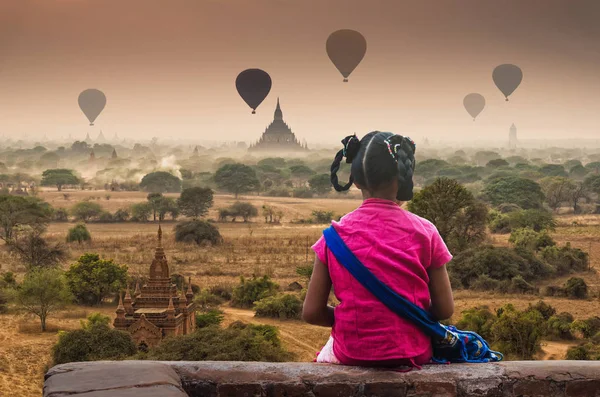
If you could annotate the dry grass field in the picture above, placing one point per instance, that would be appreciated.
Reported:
(251, 248)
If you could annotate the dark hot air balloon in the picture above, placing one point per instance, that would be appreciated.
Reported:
(92, 102)
(253, 85)
(474, 103)
(346, 48)
(507, 78)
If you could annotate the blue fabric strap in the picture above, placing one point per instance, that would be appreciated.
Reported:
(385, 294)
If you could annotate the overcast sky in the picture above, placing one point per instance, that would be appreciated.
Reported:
(168, 67)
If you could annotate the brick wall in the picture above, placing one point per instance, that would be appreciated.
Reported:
(218, 379)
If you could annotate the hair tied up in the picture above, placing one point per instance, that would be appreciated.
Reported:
(350, 150)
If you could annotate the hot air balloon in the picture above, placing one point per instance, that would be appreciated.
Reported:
(346, 48)
(92, 102)
(253, 85)
(474, 103)
(507, 78)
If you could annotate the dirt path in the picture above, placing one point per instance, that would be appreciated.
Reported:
(555, 350)
(300, 338)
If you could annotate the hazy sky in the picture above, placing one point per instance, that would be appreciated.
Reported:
(168, 67)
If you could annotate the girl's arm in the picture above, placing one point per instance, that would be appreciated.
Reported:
(442, 301)
(315, 310)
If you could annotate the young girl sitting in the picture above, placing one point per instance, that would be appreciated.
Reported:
(401, 249)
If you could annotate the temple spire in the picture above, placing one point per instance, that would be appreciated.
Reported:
(278, 112)
(159, 236)
(120, 309)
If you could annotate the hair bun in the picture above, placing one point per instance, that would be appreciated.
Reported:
(351, 147)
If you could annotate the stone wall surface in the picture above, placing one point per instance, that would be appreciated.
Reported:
(219, 379)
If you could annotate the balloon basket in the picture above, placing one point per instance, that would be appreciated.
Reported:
(345, 80)
(91, 124)
(506, 99)
(254, 112)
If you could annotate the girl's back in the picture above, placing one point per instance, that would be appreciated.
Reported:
(399, 248)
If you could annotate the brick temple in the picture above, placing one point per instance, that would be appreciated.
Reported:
(157, 310)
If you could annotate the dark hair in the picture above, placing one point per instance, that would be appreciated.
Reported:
(376, 159)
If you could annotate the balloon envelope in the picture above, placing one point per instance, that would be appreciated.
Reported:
(507, 78)
(346, 48)
(253, 85)
(92, 102)
(474, 103)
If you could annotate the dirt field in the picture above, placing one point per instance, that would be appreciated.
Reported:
(252, 248)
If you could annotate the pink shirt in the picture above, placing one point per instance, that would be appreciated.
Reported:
(398, 247)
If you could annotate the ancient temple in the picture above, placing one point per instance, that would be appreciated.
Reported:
(157, 310)
(512, 137)
(278, 136)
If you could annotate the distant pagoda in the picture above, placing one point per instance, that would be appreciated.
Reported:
(512, 137)
(157, 310)
(278, 137)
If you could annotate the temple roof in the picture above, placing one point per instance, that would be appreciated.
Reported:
(278, 112)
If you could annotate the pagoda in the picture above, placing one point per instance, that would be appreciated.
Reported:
(278, 136)
(157, 310)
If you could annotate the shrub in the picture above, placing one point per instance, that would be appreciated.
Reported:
(223, 291)
(106, 217)
(206, 300)
(121, 215)
(588, 328)
(535, 219)
(520, 286)
(479, 320)
(86, 210)
(211, 317)
(242, 209)
(197, 231)
(250, 291)
(322, 216)
(305, 271)
(578, 353)
(565, 259)
(279, 192)
(95, 342)
(529, 239)
(485, 283)
(78, 233)
(499, 223)
(9, 280)
(518, 333)
(559, 327)
(285, 306)
(3, 300)
(506, 208)
(238, 342)
(303, 192)
(545, 309)
(576, 288)
(61, 215)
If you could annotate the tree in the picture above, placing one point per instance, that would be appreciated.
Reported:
(94, 341)
(243, 209)
(161, 182)
(553, 170)
(459, 218)
(557, 190)
(154, 200)
(140, 212)
(197, 231)
(320, 184)
(34, 251)
(497, 163)
(578, 172)
(59, 177)
(168, 205)
(86, 210)
(194, 202)
(236, 179)
(78, 233)
(49, 159)
(515, 190)
(91, 279)
(578, 192)
(16, 211)
(518, 333)
(42, 292)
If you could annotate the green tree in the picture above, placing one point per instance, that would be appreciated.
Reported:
(514, 190)
(49, 159)
(244, 209)
(236, 179)
(42, 292)
(16, 212)
(320, 184)
(250, 291)
(197, 231)
(459, 218)
(140, 212)
(578, 172)
(78, 233)
(557, 190)
(91, 279)
(161, 182)
(34, 251)
(59, 177)
(95, 341)
(86, 210)
(194, 202)
(497, 163)
(518, 333)
(553, 170)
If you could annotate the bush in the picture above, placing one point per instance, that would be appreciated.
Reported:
(121, 215)
(529, 239)
(206, 300)
(322, 216)
(479, 320)
(223, 291)
(106, 217)
(3, 300)
(211, 317)
(545, 309)
(250, 291)
(565, 259)
(61, 215)
(95, 342)
(8, 280)
(279, 192)
(285, 306)
(537, 220)
(519, 286)
(242, 209)
(576, 288)
(559, 327)
(485, 283)
(588, 328)
(578, 353)
(303, 192)
(86, 210)
(197, 231)
(238, 342)
(518, 333)
(78, 233)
